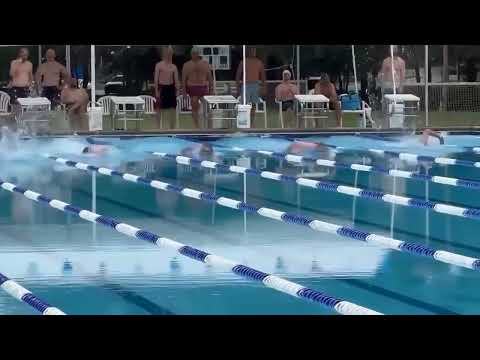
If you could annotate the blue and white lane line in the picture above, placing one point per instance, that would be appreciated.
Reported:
(20, 293)
(469, 184)
(317, 225)
(471, 213)
(410, 157)
(415, 158)
(269, 280)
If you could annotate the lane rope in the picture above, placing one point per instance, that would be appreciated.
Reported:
(271, 281)
(289, 218)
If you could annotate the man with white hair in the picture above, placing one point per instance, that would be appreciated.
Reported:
(49, 76)
(197, 81)
(285, 93)
(21, 73)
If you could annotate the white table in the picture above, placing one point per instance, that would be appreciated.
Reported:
(308, 105)
(119, 108)
(399, 106)
(223, 107)
(35, 106)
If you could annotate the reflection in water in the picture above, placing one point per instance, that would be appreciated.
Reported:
(280, 265)
(175, 267)
(67, 267)
(32, 268)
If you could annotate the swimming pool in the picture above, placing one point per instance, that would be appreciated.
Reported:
(86, 269)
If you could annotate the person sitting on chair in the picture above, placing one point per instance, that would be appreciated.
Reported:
(76, 100)
(286, 91)
(325, 87)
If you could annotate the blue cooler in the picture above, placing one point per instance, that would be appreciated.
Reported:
(350, 102)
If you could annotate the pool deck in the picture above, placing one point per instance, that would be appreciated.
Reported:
(451, 122)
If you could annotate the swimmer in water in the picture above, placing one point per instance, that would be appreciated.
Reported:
(98, 150)
(199, 151)
(430, 137)
(309, 149)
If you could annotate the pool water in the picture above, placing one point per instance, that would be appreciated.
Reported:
(83, 268)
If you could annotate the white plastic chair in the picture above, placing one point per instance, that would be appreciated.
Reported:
(105, 103)
(280, 111)
(149, 104)
(184, 106)
(4, 103)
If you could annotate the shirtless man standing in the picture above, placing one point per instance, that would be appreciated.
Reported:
(48, 77)
(167, 85)
(255, 76)
(76, 100)
(21, 72)
(325, 87)
(197, 81)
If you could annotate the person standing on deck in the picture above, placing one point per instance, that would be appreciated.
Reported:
(76, 99)
(21, 73)
(197, 81)
(255, 76)
(386, 75)
(167, 84)
(49, 76)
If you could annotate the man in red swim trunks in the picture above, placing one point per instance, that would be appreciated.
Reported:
(197, 81)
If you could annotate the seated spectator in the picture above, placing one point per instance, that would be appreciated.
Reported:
(76, 100)
(285, 92)
(326, 88)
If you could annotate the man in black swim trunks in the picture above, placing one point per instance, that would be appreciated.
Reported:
(49, 76)
(21, 73)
